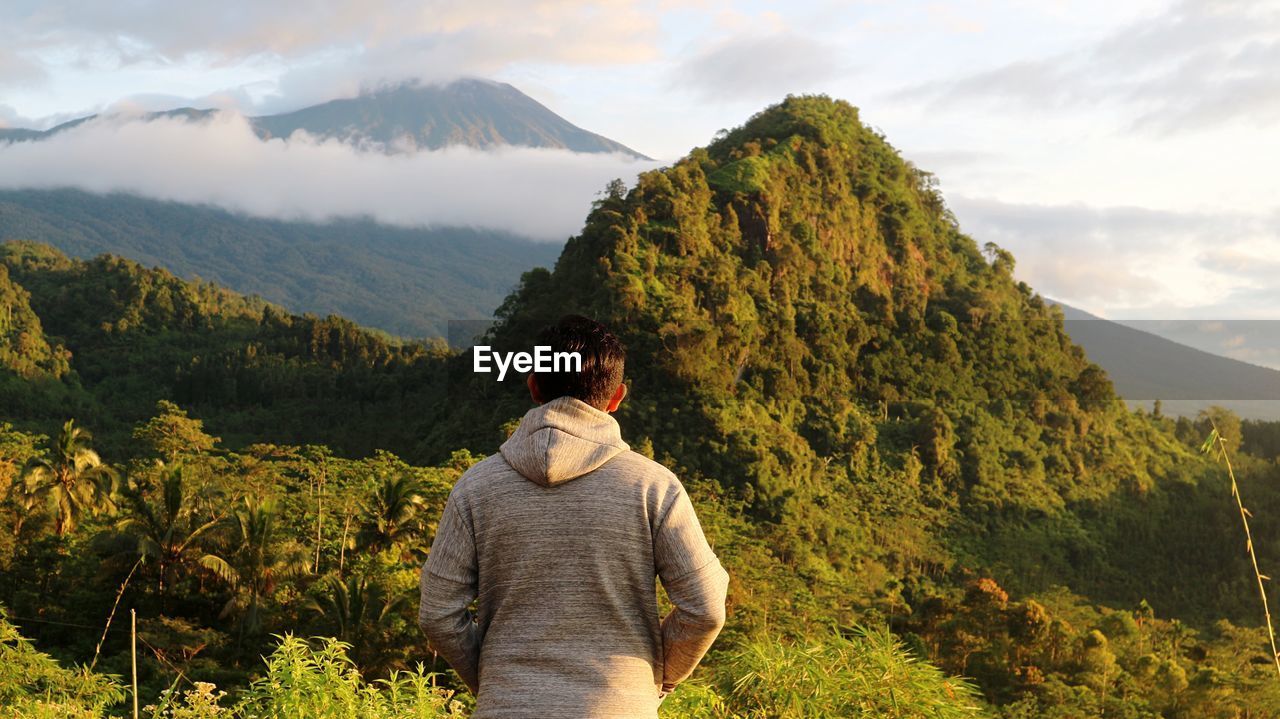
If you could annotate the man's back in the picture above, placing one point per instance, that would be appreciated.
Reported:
(560, 536)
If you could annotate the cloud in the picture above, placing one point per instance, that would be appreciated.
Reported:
(1147, 268)
(9, 117)
(1135, 259)
(17, 71)
(754, 67)
(229, 30)
(1245, 260)
(952, 20)
(1197, 64)
(540, 193)
(340, 45)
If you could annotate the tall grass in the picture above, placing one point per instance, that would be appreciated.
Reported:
(306, 680)
(857, 673)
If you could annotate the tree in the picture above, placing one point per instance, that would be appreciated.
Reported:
(258, 561)
(1225, 421)
(392, 513)
(171, 433)
(73, 481)
(169, 529)
(359, 613)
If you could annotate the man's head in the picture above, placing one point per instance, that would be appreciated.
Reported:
(599, 384)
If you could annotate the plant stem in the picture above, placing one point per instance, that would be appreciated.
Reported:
(1244, 519)
(133, 656)
(112, 615)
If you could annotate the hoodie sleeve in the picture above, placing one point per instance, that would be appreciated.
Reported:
(448, 588)
(696, 585)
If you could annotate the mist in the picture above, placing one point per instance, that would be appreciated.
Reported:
(540, 193)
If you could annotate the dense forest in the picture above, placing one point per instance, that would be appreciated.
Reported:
(930, 501)
(407, 281)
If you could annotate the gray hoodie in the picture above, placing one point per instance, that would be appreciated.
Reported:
(560, 537)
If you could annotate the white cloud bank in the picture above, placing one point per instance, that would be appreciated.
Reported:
(544, 194)
(1133, 262)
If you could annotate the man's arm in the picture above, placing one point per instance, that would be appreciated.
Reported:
(696, 584)
(448, 588)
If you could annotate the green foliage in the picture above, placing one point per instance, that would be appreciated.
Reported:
(169, 521)
(24, 349)
(34, 686)
(859, 673)
(393, 514)
(172, 433)
(360, 613)
(259, 558)
(73, 483)
(137, 336)
(303, 682)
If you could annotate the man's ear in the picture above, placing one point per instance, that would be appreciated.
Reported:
(533, 389)
(618, 396)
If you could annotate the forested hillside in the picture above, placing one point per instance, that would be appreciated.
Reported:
(910, 471)
(410, 282)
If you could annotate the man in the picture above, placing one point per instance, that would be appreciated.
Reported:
(560, 536)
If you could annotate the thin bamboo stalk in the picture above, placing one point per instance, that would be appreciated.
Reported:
(133, 657)
(112, 615)
(1218, 442)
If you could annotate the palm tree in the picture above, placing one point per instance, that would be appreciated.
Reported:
(258, 562)
(24, 503)
(392, 514)
(73, 482)
(358, 610)
(169, 532)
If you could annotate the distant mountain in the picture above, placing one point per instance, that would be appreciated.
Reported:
(19, 134)
(409, 282)
(476, 113)
(470, 112)
(1145, 367)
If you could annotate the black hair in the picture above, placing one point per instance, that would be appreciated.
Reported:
(603, 358)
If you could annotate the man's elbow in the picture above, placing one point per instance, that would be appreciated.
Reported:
(433, 624)
(438, 617)
(712, 621)
(711, 614)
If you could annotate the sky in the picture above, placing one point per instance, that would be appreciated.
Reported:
(1125, 152)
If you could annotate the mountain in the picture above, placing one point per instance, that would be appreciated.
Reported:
(471, 112)
(1145, 367)
(409, 282)
(475, 113)
(19, 134)
(26, 135)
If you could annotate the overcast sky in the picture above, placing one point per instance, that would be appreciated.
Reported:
(1126, 152)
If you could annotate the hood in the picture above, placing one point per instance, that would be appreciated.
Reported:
(561, 441)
